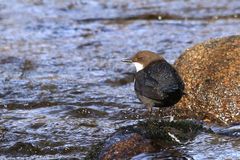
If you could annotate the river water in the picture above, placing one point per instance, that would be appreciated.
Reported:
(62, 85)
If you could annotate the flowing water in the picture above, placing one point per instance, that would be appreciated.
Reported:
(62, 85)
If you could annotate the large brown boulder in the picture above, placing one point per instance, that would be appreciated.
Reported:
(211, 72)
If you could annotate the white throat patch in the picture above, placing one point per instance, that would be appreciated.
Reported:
(138, 66)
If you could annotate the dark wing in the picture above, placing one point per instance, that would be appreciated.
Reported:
(158, 80)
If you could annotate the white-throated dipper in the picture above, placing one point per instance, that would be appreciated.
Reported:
(157, 83)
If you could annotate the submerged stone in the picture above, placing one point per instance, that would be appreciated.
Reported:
(3, 130)
(24, 148)
(145, 137)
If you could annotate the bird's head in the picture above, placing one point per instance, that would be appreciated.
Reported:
(142, 59)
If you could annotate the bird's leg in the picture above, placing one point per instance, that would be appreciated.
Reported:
(149, 107)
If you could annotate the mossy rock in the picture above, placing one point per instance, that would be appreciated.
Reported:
(145, 137)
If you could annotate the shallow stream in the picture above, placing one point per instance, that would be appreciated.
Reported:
(62, 85)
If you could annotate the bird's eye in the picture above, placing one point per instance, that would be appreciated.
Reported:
(140, 58)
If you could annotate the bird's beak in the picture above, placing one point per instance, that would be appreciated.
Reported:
(127, 60)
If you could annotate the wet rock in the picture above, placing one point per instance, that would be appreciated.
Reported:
(3, 130)
(166, 154)
(89, 44)
(128, 146)
(37, 125)
(145, 137)
(30, 105)
(24, 148)
(9, 59)
(27, 65)
(211, 72)
(87, 112)
(49, 87)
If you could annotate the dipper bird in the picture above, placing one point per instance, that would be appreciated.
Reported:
(157, 83)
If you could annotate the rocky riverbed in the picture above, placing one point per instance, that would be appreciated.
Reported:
(63, 87)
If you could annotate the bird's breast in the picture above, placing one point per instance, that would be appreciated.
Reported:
(138, 66)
